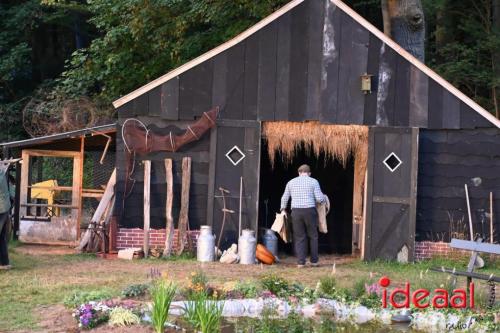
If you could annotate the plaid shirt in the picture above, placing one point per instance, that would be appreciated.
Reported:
(305, 192)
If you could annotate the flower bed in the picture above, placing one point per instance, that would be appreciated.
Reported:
(201, 306)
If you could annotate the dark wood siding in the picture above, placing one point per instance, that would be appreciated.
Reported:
(130, 209)
(448, 159)
(307, 65)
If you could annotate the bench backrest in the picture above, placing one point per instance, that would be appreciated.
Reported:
(475, 246)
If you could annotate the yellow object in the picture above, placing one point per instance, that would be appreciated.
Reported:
(45, 193)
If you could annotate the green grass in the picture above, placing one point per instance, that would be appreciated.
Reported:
(27, 287)
(42, 280)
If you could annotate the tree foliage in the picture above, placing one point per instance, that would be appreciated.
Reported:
(142, 39)
(103, 49)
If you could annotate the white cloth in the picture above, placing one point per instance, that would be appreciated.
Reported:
(323, 210)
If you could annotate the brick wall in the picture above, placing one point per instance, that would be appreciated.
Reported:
(126, 238)
(134, 237)
(427, 249)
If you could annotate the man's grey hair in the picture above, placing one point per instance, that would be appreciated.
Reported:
(304, 168)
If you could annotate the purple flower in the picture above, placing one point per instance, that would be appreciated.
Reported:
(85, 322)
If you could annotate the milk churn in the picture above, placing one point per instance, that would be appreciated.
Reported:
(246, 247)
(270, 241)
(205, 247)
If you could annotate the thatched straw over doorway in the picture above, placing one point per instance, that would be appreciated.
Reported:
(337, 142)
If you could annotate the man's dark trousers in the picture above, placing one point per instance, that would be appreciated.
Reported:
(305, 225)
(4, 238)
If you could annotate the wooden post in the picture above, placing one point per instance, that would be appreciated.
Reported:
(183, 215)
(491, 217)
(169, 229)
(80, 187)
(241, 207)
(105, 201)
(147, 189)
(468, 211)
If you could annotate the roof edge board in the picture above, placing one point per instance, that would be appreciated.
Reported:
(210, 54)
(417, 63)
(109, 128)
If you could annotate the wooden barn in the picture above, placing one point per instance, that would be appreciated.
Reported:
(390, 141)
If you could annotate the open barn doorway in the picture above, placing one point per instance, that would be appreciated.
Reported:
(337, 157)
(336, 182)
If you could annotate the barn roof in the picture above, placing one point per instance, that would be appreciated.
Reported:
(33, 142)
(383, 39)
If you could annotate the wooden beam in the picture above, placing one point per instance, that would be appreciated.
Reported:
(23, 195)
(79, 179)
(211, 176)
(106, 198)
(491, 217)
(475, 246)
(169, 229)
(109, 193)
(426, 70)
(75, 194)
(467, 274)
(147, 216)
(51, 153)
(183, 215)
(48, 205)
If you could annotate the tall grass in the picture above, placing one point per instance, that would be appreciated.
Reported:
(162, 295)
(203, 313)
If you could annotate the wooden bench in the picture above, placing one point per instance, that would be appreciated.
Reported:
(476, 247)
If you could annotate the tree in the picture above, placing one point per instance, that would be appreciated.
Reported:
(143, 39)
(404, 22)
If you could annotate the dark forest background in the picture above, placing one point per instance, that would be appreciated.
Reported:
(69, 59)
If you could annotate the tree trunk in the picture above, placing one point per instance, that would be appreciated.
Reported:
(404, 22)
(169, 230)
(183, 215)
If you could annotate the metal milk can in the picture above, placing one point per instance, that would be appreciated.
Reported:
(270, 241)
(246, 247)
(205, 246)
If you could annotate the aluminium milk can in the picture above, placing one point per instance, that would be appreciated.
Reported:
(270, 241)
(205, 246)
(246, 247)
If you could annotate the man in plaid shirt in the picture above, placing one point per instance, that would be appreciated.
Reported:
(305, 193)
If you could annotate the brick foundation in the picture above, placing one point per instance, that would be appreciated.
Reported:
(126, 238)
(427, 250)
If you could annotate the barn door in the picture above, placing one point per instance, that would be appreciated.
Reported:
(391, 193)
(234, 153)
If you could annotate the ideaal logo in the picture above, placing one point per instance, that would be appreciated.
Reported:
(419, 298)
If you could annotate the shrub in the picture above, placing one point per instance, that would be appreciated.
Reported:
(162, 294)
(91, 315)
(275, 284)
(327, 286)
(123, 317)
(203, 313)
(198, 283)
(248, 289)
(135, 290)
(359, 287)
(80, 297)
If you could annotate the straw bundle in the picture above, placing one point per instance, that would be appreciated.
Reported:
(336, 141)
